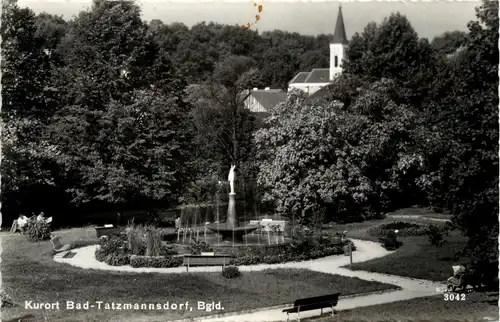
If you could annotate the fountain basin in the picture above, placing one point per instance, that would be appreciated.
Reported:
(229, 233)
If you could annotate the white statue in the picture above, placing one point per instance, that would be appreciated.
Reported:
(230, 178)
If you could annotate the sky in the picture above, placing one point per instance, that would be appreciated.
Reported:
(312, 17)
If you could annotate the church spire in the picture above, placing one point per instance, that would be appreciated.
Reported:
(339, 36)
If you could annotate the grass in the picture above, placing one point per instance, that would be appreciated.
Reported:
(419, 259)
(30, 274)
(416, 258)
(476, 307)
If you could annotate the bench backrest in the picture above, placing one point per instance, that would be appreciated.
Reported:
(317, 302)
(56, 242)
(207, 260)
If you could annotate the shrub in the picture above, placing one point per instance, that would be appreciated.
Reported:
(153, 218)
(404, 229)
(37, 230)
(285, 254)
(435, 236)
(153, 241)
(167, 250)
(135, 240)
(197, 247)
(117, 259)
(390, 241)
(112, 251)
(231, 272)
(158, 261)
(303, 242)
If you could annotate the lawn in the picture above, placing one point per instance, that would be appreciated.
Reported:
(476, 307)
(30, 274)
(417, 257)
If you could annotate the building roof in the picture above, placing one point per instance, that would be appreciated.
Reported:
(269, 98)
(318, 75)
(300, 78)
(339, 36)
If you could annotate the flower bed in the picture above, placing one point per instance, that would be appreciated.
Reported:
(140, 247)
(133, 248)
(304, 246)
(404, 229)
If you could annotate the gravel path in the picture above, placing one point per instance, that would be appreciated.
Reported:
(365, 250)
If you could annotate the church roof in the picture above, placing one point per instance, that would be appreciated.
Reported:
(269, 98)
(300, 77)
(319, 75)
(339, 36)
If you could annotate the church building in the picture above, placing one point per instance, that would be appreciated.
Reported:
(312, 81)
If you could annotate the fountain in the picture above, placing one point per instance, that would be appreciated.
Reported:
(231, 229)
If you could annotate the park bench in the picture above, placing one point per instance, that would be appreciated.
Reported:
(107, 230)
(57, 247)
(313, 303)
(206, 260)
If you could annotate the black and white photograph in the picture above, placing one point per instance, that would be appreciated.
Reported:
(249, 161)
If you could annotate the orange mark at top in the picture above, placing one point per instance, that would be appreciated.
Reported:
(257, 17)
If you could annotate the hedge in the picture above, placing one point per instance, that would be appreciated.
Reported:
(156, 261)
(404, 229)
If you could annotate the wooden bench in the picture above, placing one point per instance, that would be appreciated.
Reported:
(313, 303)
(107, 231)
(206, 260)
(57, 247)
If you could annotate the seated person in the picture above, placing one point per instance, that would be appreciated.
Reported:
(19, 223)
(40, 217)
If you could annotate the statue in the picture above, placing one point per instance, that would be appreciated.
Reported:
(230, 178)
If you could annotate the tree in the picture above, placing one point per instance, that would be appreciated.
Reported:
(26, 66)
(27, 105)
(221, 116)
(121, 130)
(139, 154)
(393, 50)
(464, 131)
(306, 160)
(449, 42)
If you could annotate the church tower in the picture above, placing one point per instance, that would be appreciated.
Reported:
(338, 46)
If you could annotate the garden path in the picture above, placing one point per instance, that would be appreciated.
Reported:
(418, 216)
(365, 250)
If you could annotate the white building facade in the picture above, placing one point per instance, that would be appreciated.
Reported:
(311, 82)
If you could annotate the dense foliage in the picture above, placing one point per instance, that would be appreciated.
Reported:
(160, 261)
(305, 245)
(197, 247)
(390, 240)
(356, 158)
(37, 230)
(231, 272)
(404, 229)
(435, 236)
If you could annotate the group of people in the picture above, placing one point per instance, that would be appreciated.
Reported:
(19, 223)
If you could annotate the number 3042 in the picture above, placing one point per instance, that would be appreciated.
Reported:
(454, 297)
